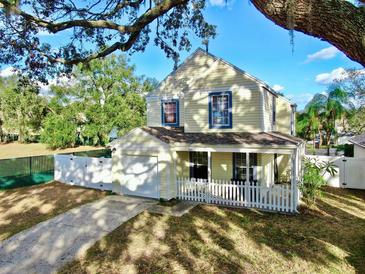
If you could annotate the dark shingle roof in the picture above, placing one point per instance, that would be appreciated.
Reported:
(177, 135)
(358, 140)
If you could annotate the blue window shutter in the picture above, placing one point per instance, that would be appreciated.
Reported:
(210, 111)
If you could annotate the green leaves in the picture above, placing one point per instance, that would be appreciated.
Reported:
(313, 178)
(106, 95)
(22, 110)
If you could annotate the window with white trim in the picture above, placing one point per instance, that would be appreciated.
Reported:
(170, 112)
(220, 109)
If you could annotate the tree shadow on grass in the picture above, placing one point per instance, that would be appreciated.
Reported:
(213, 239)
(24, 207)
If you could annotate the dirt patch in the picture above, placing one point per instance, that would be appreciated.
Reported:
(24, 207)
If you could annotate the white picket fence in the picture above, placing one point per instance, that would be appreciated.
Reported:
(239, 194)
(88, 172)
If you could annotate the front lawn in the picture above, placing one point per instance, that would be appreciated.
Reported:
(15, 150)
(24, 207)
(210, 239)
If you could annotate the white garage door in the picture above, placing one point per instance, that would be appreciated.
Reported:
(140, 176)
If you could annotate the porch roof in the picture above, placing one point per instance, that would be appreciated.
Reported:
(171, 135)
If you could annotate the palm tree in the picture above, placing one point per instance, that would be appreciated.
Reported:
(330, 107)
(308, 124)
(336, 106)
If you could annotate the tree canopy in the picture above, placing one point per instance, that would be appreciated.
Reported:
(339, 22)
(96, 28)
(102, 96)
(105, 26)
(21, 109)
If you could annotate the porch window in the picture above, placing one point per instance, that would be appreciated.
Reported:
(198, 165)
(220, 110)
(239, 166)
(170, 112)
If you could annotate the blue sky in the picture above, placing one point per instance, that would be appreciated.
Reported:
(255, 44)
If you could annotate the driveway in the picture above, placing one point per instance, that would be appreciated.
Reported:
(47, 246)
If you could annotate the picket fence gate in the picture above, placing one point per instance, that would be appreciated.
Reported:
(237, 193)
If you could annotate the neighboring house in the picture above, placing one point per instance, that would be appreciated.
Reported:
(209, 120)
(359, 145)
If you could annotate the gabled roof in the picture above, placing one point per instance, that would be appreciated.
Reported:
(177, 135)
(358, 140)
(237, 69)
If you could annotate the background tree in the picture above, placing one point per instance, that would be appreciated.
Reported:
(332, 107)
(355, 121)
(308, 123)
(22, 110)
(101, 96)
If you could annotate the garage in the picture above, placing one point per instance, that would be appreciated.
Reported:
(140, 176)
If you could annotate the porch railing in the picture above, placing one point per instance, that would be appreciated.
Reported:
(237, 193)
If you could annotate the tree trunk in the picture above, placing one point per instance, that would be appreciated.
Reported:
(338, 22)
(328, 142)
(320, 138)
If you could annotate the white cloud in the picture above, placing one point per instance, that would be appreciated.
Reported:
(61, 81)
(329, 77)
(218, 3)
(278, 88)
(324, 54)
(301, 99)
(9, 71)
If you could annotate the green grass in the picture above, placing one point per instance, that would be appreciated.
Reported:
(327, 239)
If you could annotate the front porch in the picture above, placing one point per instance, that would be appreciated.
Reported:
(220, 175)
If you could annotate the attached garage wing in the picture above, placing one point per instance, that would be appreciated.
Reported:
(140, 176)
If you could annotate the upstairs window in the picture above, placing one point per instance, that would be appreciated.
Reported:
(170, 112)
(220, 110)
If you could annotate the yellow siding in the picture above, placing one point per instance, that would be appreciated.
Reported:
(154, 112)
(246, 112)
(221, 166)
(267, 169)
(268, 110)
(284, 167)
(182, 164)
(283, 115)
(193, 81)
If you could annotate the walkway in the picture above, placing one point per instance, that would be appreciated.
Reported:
(47, 246)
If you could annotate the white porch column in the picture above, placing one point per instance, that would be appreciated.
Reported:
(209, 166)
(248, 167)
(294, 182)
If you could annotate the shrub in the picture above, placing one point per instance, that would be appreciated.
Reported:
(59, 132)
(313, 181)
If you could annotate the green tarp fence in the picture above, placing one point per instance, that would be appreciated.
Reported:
(27, 171)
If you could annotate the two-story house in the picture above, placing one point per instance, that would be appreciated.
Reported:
(208, 120)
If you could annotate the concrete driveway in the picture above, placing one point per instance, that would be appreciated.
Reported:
(47, 246)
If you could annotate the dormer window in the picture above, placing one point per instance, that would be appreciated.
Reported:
(170, 112)
(220, 109)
